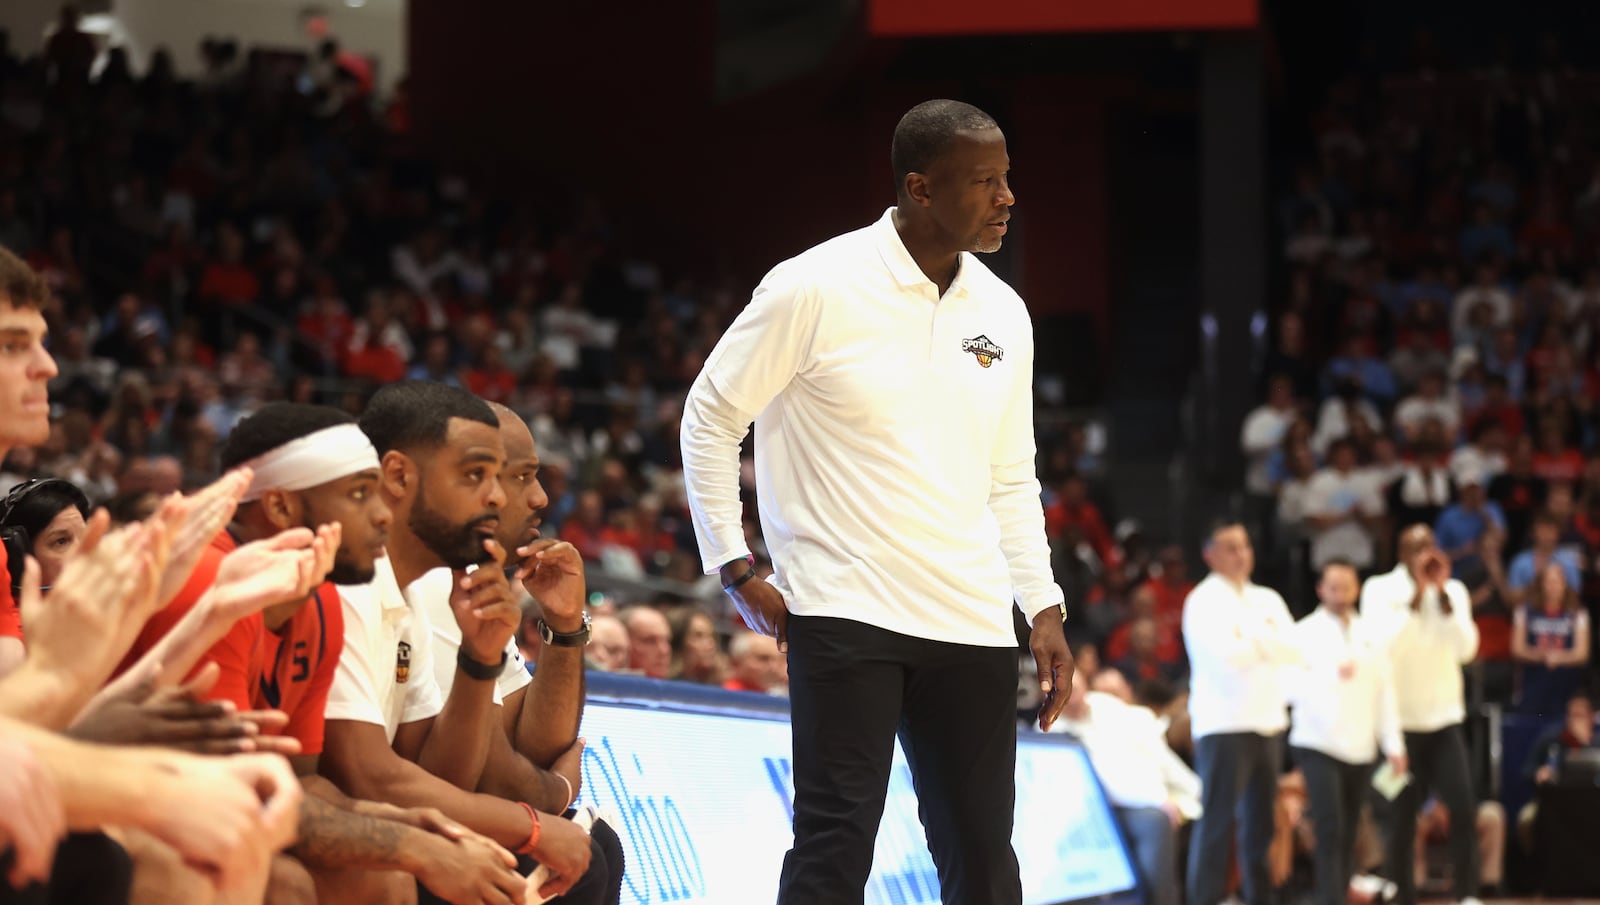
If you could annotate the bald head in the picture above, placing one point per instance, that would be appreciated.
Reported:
(525, 496)
(608, 644)
(1414, 541)
(649, 641)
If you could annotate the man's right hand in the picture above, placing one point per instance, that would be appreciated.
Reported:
(564, 848)
(760, 605)
(469, 870)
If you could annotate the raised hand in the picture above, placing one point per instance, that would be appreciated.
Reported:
(552, 573)
(285, 567)
(485, 608)
(201, 518)
(97, 605)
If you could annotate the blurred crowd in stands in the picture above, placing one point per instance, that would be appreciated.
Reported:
(1435, 352)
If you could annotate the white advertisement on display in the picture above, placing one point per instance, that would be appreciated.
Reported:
(703, 803)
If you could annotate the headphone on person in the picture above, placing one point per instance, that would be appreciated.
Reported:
(17, 539)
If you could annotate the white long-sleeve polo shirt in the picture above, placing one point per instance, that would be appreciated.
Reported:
(1342, 690)
(894, 442)
(1427, 647)
(1237, 639)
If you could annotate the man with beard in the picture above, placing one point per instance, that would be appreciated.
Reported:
(538, 758)
(392, 734)
(312, 465)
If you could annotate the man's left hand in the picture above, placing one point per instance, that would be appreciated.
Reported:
(1049, 645)
(552, 573)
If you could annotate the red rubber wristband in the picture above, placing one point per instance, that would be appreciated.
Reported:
(534, 833)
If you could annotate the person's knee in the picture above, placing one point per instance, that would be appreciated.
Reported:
(608, 843)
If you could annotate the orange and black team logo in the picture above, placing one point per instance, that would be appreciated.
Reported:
(402, 663)
(984, 348)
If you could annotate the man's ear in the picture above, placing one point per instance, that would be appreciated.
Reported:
(916, 188)
(397, 474)
(282, 508)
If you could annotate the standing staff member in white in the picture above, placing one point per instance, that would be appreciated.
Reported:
(1236, 633)
(1344, 711)
(1425, 618)
(890, 375)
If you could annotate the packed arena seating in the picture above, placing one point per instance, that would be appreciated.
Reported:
(1433, 351)
(1432, 357)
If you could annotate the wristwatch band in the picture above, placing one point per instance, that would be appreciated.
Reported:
(480, 671)
(578, 638)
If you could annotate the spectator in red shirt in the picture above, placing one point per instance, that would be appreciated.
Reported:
(757, 664)
(585, 529)
(1143, 664)
(1554, 460)
(1168, 645)
(490, 379)
(1499, 406)
(1073, 507)
(1169, 582)
(227, 280)
(326, 322)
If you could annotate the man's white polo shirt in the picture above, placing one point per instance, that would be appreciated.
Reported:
(1342, 690)
(894, 442)
(1237, 639)
(431, 595)
(386, 673)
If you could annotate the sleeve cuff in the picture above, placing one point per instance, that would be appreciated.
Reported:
(1033, 610)
(714, 561)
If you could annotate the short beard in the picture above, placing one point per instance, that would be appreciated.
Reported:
(982, 246)
(345, 573)
(457, 546)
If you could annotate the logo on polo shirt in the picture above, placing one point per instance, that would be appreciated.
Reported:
(984, 348)
(402, 662)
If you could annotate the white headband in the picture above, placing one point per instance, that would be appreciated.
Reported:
(317, 458)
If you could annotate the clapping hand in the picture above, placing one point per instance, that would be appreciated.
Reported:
(203, 516)
(101, 599)
(285, 567)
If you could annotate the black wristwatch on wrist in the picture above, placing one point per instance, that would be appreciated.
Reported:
(480, 671)
(552, 637)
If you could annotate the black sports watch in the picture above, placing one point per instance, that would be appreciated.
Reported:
(482, 672)
(579, 638)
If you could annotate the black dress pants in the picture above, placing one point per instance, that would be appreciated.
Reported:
(1439, 764)
(853, 688)
(1335, 790)
(1239, 789)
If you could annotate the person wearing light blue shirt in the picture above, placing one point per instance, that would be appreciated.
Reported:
(1546, 533)
(1460, 527)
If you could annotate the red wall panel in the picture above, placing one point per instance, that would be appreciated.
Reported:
(965, 17)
